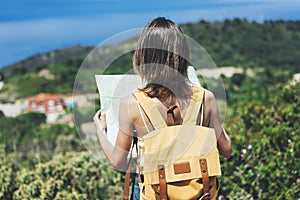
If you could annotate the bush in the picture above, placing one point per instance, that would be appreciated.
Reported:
(73, 176)
(8, 175)
(266, 148)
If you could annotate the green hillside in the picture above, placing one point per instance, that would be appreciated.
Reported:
(249, 44)
(37, 62)
(272, 46)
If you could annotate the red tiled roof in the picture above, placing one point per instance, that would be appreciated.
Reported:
(44, 96)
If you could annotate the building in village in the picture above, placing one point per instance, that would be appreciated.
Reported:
(50, 104)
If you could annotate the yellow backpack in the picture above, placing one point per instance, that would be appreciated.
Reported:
(180, 161)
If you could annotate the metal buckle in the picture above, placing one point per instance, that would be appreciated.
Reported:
(206, 196)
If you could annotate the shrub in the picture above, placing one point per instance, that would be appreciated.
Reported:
(73, 176)
(266, 148)
(8, 175)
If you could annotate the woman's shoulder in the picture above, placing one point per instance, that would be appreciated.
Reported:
(209, 96)
(129, 101)
(209, 100)
(130, 104)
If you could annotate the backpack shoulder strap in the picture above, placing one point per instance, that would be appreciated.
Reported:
(150, 110)
(194, 106)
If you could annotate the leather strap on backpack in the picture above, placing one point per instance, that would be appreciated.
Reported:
(128, 172)
(127, 182)
(205, 179)
(173, 116)
(162, 182)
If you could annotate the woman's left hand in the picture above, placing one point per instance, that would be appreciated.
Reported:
(100, 122)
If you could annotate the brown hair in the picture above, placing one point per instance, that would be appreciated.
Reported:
(161, 59)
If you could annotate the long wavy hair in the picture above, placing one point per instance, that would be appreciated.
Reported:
(161, 59)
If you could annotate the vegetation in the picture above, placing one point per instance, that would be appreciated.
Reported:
(271, 44)
(43, 60)
(71, 176)
(265, 133)
(249, 44)
(265, 161)
(40, 161)
(31, 141)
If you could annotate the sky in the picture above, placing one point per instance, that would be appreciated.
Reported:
(29, 27)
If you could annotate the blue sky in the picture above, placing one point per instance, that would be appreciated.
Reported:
(29, 27)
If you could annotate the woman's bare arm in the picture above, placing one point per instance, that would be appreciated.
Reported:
(224, 141)
(117, 155)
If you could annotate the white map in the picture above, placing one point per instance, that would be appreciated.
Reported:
(112, 89)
